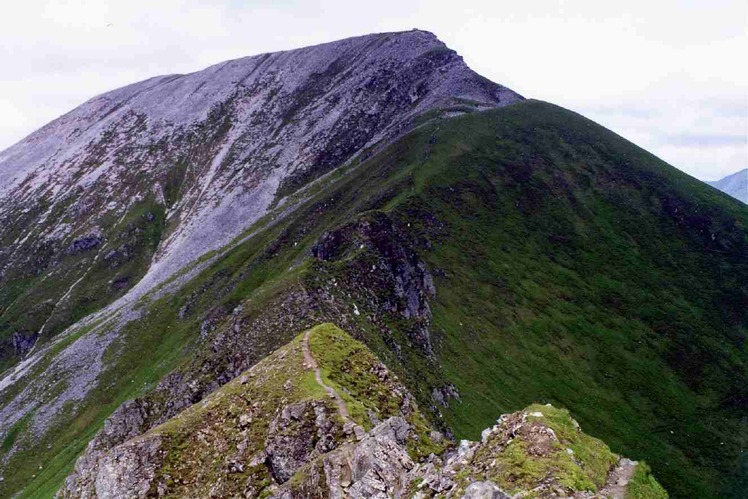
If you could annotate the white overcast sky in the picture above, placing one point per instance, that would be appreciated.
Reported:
(672, 76)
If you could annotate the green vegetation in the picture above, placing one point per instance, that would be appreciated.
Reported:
(365, 385)
(582, 271)
(595, 457)
(522, 454)
(571, 267)
(88, 280)
(643, 485)
(347, 365)
(12, 434)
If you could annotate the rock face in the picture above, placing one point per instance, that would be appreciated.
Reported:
(382, 259)
(376, 466)
(127, 471)
(298, 433)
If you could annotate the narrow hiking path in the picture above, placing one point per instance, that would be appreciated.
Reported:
(311, 363)
(618, 479)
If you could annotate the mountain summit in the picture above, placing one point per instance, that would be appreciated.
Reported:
(159, 243)
(736, 185)
(206, 155)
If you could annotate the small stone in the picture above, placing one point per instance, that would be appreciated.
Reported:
(483, 490)
(245, 420)
(359, 432)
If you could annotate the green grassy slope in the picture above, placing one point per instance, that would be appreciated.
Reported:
(582, 271)
(575, 268)
(570, 266)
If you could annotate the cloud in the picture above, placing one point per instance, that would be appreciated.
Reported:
(704, 135)
(704, 140)
(655, 72)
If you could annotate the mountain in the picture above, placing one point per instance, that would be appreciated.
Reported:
(736, 185)
(137, 183)
(493, 252)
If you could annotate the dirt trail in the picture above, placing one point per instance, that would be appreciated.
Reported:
(618, 479)
(331, 392)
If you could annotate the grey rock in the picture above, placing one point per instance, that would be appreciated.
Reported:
(129, 470)
(484, 490)
(376, 466)
(127, 422)
(125, 471)
(299, 433)
(443, 394)
(83, 244)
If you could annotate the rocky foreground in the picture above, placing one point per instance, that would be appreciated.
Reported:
(323, 417)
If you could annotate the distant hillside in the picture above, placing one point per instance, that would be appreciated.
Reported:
(736, 185)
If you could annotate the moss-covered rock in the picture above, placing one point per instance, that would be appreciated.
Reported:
(540, 448)
(256, 432)
(279, 430)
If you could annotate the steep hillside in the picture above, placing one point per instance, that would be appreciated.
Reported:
(322, 417)
(136, 183)
(492, 259)
(736, 185)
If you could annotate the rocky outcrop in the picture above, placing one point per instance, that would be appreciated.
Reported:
(442, 395)
(84, 243)
(96, 464)
(274, 432)
(376, 466)
(127, 471)
(379, 465)
(296, 435)
(384, 267)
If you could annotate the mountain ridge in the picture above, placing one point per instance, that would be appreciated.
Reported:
(383, 445)
(491, 258)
